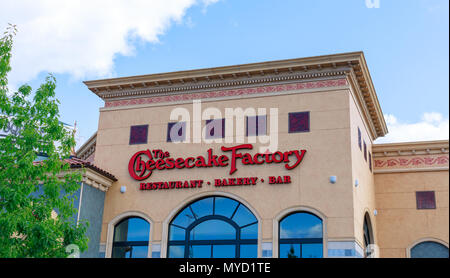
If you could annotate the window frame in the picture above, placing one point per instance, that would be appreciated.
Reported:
(187, 243)
(129, 243)
(300, 241)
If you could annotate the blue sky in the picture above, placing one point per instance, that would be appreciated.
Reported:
(406, 44)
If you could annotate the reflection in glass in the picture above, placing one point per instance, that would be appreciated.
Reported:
(185, 218)
(312, 250)
(224, 251)
(130, 252)
(213, 230)
(203, 207)
(289, 250)
(211, 227)
(225, 206)
(243, 216)
(176, 233)
(176, 251)
(301, 225)
(300, 236)
(250, 232)
(130, 239)
(132, 229)
(200, 251)
(249, 251)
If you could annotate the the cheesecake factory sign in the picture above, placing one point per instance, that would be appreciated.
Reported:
(144, 163)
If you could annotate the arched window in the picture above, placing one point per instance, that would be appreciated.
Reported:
(429, 249)
(213, 227)
(368, 236)
(301, 236)
(131, 237)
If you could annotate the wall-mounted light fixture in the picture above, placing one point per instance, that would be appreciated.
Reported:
(123, 189)
(333, 179)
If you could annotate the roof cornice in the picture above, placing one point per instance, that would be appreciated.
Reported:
(351, 65)
(411, 148)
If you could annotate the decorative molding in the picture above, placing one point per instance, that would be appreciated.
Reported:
(351, 66)
(96, 180)
(196, 86)
(411, 157)
(229, 93)
(411, 164)
(88, 148)
(410, 148)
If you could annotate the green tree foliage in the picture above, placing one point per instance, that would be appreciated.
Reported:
(37, 215)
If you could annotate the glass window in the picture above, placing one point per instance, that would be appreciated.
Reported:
(243, 216)
(177, 233)
(131, 238)
(312, 250)
(203, 207)
(249, 251)
(298, 122)
(301, 225)
(199, 251)
(216, 227)
(300, 236)
(132, 229)
(185, 218)
(176, 132)
(138, 134)
(225, 206)
(250, 232)
(222, 230)
(224, 251)
(429, 249)
(176, 251)
(289, 250)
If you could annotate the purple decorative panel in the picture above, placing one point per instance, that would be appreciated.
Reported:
(256, 125)
(298, 122)
(425, 200)
(215, 128)
(365, 151)
(176, 132)
(359, 139)
(138, 134)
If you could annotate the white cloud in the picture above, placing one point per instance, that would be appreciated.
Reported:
(82, 38)
(433, 126)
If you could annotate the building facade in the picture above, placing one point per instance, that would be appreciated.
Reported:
(272, 159)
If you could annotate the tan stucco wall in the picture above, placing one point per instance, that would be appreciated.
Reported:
(399, 223)
(328, 153)
(332, 150)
